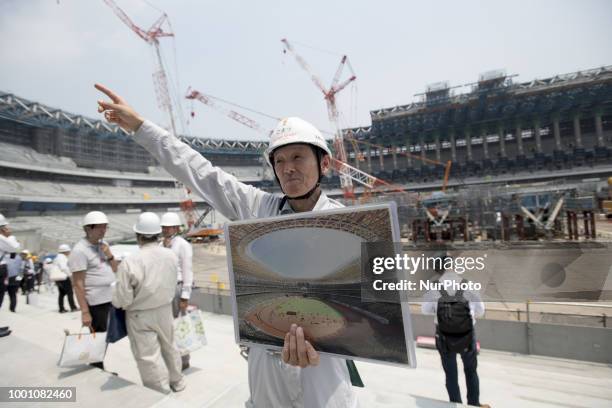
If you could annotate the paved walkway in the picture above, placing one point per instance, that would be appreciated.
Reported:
(218, 376)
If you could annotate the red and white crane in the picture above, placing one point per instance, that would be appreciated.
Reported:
(151, 36)
(347, 173)
(343, 168)
(164, 101)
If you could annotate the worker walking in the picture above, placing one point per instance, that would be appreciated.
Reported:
(92, 265)
(64, 286)
(145, 287)
(171, 226)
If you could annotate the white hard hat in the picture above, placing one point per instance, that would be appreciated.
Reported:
(64, 248)
(3, 221)
(171, 219)
(295, 130)
(95, 217)
(26, 252)
(147, 224)
(48, 260)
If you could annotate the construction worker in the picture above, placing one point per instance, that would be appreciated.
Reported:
(171, 226)
(8, 250)
(27, 272)
(92, 264)
(145, 287)
(299, 156)
(64, 286)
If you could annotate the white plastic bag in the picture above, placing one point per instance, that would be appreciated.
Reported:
(185, 337)
(82, 348)
(198, 325)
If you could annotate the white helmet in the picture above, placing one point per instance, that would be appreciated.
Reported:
(147, 224)
(95, 217)
(25, 252)
(3, 221)
(48, 260)
(171, 219)
(295, 130)
(63, 248)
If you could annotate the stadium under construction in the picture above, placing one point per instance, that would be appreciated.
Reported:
(490, 160)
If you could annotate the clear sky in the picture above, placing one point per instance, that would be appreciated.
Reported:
(54, 50)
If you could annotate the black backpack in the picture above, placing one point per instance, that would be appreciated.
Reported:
(455, 331)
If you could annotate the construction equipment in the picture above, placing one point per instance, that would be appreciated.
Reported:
(343, 168)
(347, 174)
(151, 37)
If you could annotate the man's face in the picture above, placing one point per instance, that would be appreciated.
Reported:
(169, 231)
(296, 168)
(5, 230)
(96, 232)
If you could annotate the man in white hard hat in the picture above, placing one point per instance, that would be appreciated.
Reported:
(9, 246)
(171, 226)
(64, 286)
(92, 264)
(145, 287)
(299, 156)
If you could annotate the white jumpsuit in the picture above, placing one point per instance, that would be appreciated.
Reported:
(272, 383)
(145, 287)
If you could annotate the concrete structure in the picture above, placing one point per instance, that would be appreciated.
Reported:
(218, 376)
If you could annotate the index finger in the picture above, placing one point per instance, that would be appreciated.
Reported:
(114, 97)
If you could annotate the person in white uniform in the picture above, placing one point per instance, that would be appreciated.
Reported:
(171, 226)
(9, 246)
(299, 156)
(145, 287)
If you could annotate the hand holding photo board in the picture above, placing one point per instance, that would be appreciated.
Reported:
(306, 269)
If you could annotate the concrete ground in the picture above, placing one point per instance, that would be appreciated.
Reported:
(218, 376)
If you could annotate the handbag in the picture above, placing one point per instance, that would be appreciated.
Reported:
(56, 274)
(186, 339)
(117, 328)
(198, 325)
(82, 348)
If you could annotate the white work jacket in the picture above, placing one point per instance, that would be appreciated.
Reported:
(272, 383)
(146, 279)
(182, 249)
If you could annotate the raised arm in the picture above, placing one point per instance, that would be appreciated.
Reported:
(233, 199)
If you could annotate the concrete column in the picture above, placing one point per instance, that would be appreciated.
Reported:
(394, 153)
(518, 134)
(502, 141)
(408, 154)
(468, 143)
(453, 146)
(599, 130)
(557, 134)
(538, 136)
(369, 158)
(485, 144)
(577, 133)
(437, 146)
(381, 158)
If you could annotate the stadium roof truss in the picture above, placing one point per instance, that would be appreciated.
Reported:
(36, 114)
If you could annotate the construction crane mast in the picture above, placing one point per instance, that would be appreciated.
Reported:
(151, 37)
(160, 81)
(329, 95)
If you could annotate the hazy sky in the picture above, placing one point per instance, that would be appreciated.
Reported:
(54, 50)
